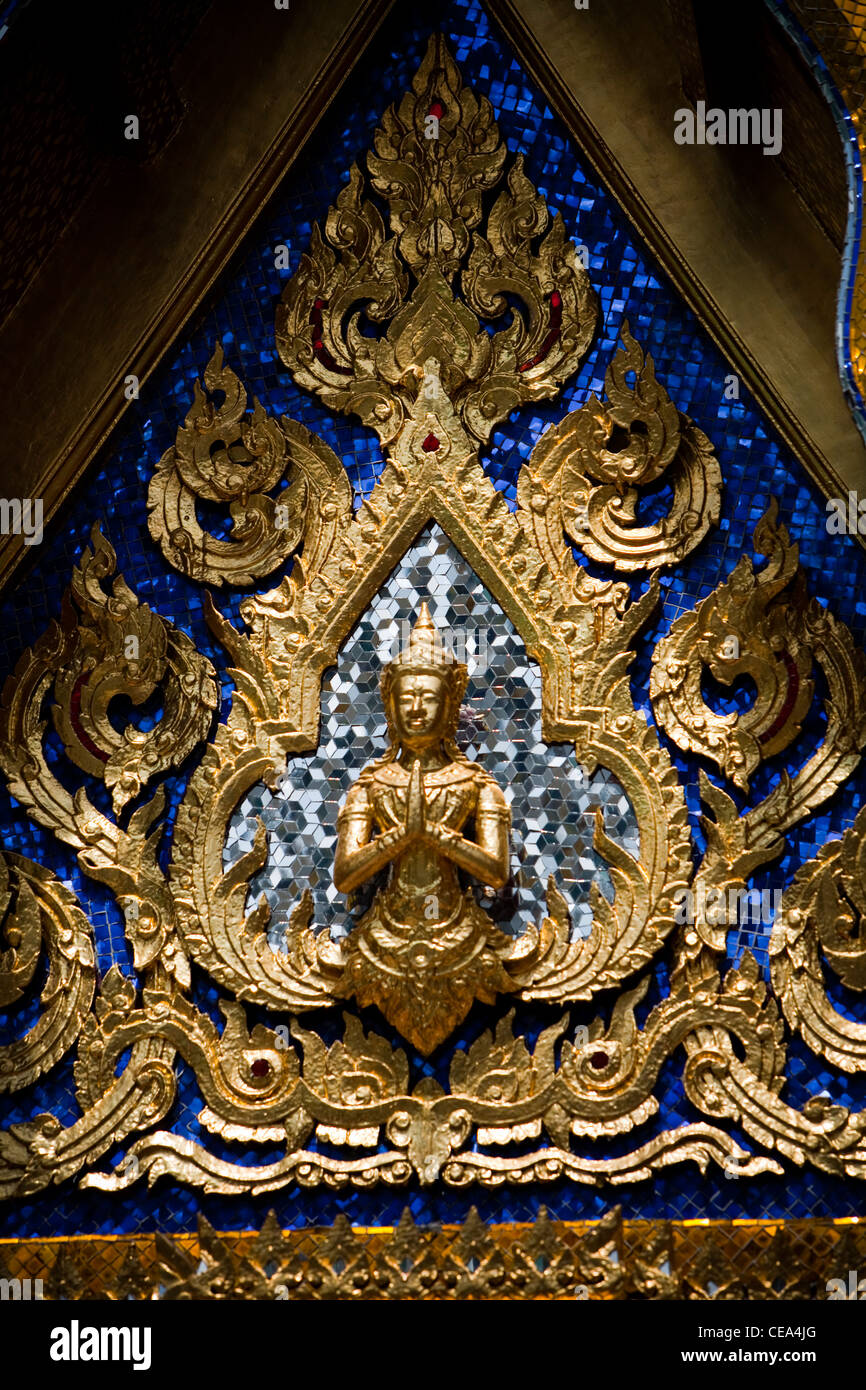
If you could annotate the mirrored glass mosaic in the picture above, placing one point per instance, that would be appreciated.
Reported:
(553, 803)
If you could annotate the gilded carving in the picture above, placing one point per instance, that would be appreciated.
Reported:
(355, 270)
(220, 456)
(613, 1258)
(821, 916)
(597, 459)
(425, 948)
(118, 646)
(435, 820)
(756, 625)
(37, 908)
(296, 630)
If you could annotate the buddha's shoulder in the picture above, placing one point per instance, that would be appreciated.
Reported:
(452, 774)
(388, 775)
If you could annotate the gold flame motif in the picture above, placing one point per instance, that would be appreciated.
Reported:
(433, 384)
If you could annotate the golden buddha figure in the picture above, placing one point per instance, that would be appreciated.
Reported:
(425, 949)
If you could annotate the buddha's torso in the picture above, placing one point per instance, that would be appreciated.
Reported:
(421, 880)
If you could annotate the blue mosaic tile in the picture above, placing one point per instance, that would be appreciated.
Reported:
(755, 466)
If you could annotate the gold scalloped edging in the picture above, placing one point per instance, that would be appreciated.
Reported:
(607, 1259)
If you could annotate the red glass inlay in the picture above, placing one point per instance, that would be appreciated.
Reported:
(553, 330)
(319, 349)
(790, 698)
(431, 444)
(75, 721)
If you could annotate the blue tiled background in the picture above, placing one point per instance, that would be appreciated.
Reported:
(755, 466)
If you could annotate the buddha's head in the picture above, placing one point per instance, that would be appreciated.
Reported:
(422, 689)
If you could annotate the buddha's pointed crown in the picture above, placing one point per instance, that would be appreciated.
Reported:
(425, 650)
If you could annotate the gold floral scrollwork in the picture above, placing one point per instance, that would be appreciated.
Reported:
(434, 184)
(508, 1104)
(822, 913)
(737, 845)
(755, 624)
(356, 1089)
(37, 908)
(22, 930)
(43, 1150)
(221, 457)
(125, 858)
(360, 1071)
(295, 631)
(747, 1092)
(118, 646)
(84, 647)
(597, 459)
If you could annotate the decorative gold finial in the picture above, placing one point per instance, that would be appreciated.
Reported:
(425, 649)
(440, 278)
(425, 620)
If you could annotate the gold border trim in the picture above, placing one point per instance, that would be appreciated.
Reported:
(605, 1260)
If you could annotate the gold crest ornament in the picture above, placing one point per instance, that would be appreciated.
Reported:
(407, 327)
(434, 190)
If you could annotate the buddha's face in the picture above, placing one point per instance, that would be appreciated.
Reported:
(419, 706)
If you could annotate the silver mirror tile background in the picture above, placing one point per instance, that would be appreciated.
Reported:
(553, 804)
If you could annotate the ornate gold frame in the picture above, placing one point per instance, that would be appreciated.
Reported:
(432, 384)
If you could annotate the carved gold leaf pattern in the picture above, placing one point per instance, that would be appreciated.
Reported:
(433, 385)
(37, 907)
(118, 646)
(759, 625)
(434, 187)
(598, 458)
(822, 914)
(296, 631)
(221, 456)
